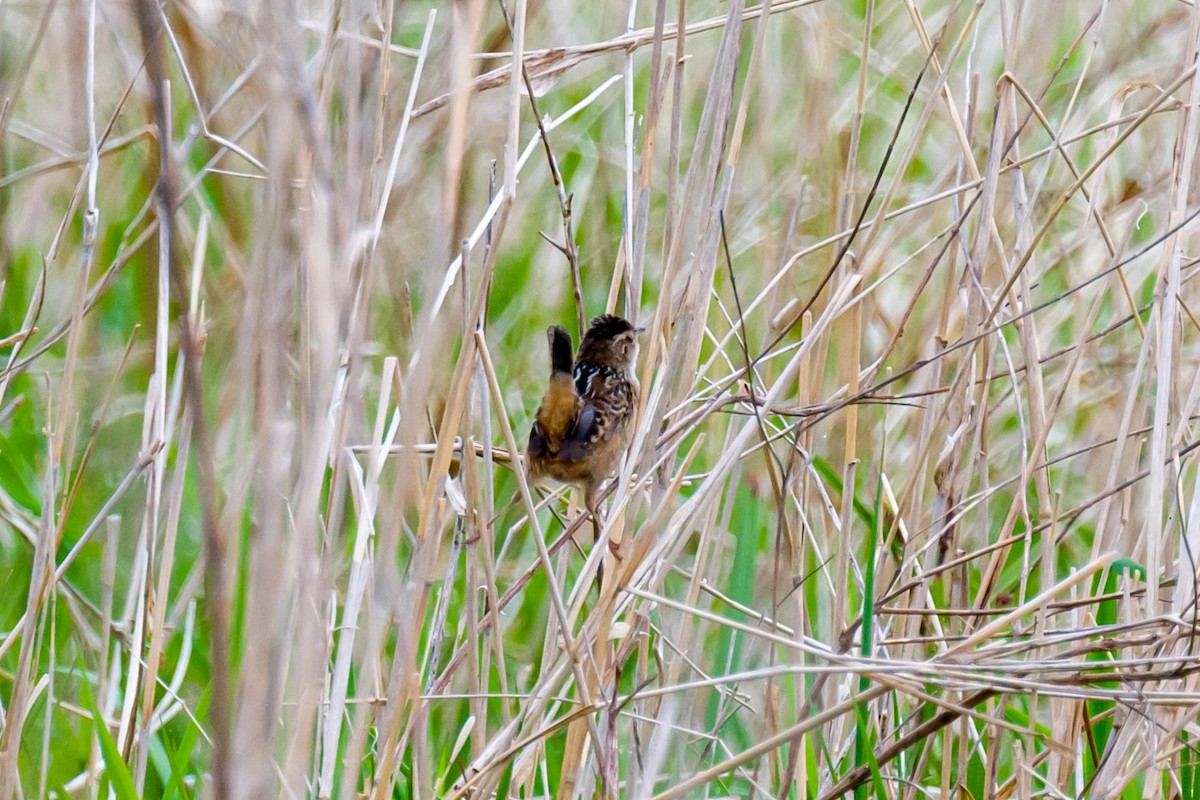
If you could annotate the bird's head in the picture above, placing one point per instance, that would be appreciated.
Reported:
(610, 341)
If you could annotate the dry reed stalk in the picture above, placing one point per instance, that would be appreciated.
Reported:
(910, 505)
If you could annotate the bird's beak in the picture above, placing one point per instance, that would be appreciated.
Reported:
(640, 329)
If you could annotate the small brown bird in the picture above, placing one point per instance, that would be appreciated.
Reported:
(586, 418)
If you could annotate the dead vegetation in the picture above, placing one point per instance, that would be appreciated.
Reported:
(911, 509)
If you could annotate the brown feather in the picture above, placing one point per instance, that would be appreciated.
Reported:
(583, 424)
(559, 409)
(585, 421)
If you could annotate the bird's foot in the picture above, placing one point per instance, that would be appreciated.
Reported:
(615, 549)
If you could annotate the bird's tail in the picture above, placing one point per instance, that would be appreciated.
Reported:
(560, 404)
(561, 356)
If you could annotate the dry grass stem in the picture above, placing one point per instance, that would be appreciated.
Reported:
(911, 507)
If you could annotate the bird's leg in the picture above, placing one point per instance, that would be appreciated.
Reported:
(615, 549)
(592, 501)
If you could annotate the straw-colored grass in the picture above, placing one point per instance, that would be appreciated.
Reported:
(911, 510)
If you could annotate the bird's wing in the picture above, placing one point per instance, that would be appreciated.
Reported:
(605, 398)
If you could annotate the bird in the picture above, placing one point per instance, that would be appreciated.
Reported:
(585, 421)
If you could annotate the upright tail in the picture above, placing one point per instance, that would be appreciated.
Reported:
(560, 405)
(561, 355)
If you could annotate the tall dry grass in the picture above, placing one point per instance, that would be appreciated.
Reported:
(911, 509)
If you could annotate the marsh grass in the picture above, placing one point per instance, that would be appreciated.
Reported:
(911, 509)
